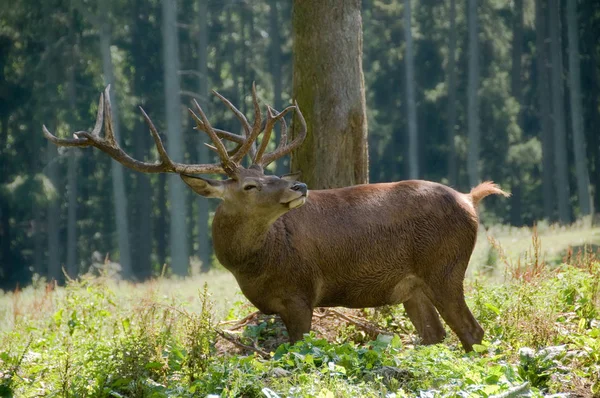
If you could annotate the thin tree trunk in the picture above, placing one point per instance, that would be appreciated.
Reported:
(161, 220)
(329, 87)
(543, 78)
(204, 247)
(72, 269)
(53, 217)
(451, 128)
(472, 96)
(5, 230)
(177, 195)
(413, 137)
(118, 181)
(558, 111)
(142, 207)
(516, 91)
(583, 179)
(276, 73)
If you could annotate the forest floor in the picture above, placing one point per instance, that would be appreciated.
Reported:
(536, 294)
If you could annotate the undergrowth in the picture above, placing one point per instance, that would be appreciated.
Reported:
(542, 336)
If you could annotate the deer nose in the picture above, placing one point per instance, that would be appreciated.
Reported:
(300, 187)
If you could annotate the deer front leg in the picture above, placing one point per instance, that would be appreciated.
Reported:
(297, 317)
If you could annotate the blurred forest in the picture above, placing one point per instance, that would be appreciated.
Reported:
(456, 92)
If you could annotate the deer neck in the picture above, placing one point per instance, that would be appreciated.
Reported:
(239, 240)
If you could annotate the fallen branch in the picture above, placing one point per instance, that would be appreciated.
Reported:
(236, 341)
(369, 328)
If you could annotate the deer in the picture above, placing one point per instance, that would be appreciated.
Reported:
(291, 250)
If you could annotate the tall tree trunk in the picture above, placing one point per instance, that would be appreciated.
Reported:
(413, 137)
(177, 195)
(276, 72)
(53, 217)
(329, 87)
(142, 207)
(472, 96)
(590, 39)
(451, 128)
(118, 181)
(5, 235)
(72, 268)
(543, 78)
(516, 91)
(204, 247)
(161, 220)
(583, 179)
(558, 112)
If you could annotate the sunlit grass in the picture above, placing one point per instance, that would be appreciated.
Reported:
(102, 337)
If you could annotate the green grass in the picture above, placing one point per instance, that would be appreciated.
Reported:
(103, 338)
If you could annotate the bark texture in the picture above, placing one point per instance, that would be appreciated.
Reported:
(204, 247)
(583, 178)
(118, 179)
(472, 97)
(329, 87)
(177, 194)
(451, 159)
(543, 79)
(558, 113)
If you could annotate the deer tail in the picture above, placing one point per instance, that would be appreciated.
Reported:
(485, 189)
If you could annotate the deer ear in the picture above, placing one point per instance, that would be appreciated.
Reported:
(204, 186)
(291, 177)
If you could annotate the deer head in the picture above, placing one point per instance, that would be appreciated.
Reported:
(247, 190)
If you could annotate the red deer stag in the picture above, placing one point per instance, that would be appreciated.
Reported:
(363, 246)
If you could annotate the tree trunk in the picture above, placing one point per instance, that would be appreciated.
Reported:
(276, 74)
(451, 159)
(583, 179)
(118, 182)
(142, 207)
(543, 78)
(54, 266)
(177, 195)
(472, 96)
(204, 247)
(516, 91)
(329, 87)
(5, 235)
(161, 220)
(558, 111)
(72, 268)
(413, 137)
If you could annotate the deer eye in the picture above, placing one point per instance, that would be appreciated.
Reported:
(250, 187)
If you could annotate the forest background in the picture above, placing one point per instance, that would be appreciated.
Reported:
(465, 91)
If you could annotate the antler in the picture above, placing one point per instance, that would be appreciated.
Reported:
(251, 133)
(229, 160)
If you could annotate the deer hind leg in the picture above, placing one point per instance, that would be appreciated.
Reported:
(297, 317)
(423, 315)
(449, 299)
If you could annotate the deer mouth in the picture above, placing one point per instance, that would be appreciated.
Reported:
(298, 201)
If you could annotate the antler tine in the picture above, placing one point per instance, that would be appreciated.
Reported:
(109, 134)
(257, 120)
(271, 120)
(256, 130)
(162, 153)
(109, 145)
(283, 139)
(236, 112)
(79, 142)
(284, 150)
(229, 165)
(99, 115)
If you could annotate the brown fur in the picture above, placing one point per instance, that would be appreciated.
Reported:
(362, 246)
